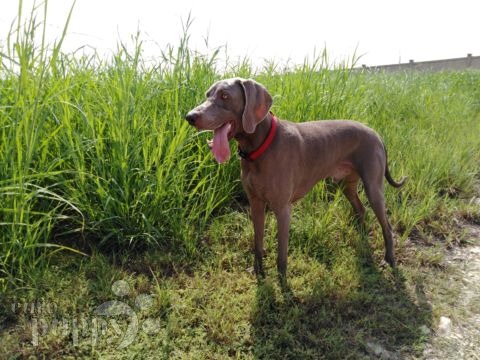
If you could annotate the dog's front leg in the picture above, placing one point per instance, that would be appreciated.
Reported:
(258, 219)
(283, 227)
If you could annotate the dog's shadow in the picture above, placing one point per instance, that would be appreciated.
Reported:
(378, 320)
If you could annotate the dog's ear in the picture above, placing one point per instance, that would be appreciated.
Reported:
(257, 104)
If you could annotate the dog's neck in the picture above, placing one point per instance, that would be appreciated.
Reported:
(250, 142)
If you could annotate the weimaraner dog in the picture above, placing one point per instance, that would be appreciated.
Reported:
(282, 160)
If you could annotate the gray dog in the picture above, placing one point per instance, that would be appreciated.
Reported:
(282, 160)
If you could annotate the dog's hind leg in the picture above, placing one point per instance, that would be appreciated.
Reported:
(349, 187)
(372, 174)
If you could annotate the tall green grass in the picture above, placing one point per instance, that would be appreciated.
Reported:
(95, 151)
(98, 149)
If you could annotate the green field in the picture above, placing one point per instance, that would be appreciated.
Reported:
(102, 179)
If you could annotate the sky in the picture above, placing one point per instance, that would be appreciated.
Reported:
(380, 32)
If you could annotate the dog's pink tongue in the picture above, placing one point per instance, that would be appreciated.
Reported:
(220, 147)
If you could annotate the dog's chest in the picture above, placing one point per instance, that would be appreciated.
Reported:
(254, 179)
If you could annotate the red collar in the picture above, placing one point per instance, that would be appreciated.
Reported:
(266, 143)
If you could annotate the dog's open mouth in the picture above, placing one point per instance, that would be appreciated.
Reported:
(219, 144)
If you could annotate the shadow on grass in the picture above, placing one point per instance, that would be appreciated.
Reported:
(377, 320)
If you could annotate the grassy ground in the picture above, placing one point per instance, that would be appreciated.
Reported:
(102, 180)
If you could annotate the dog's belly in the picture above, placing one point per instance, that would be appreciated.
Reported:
(341, 171)
(292, 185)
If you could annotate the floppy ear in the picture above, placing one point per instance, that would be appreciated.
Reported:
(257, 104)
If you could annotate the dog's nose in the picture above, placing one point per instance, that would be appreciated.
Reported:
(191, 117)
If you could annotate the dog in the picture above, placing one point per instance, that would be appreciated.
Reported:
(282, 160)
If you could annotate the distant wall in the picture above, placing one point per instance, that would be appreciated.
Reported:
(468, 62)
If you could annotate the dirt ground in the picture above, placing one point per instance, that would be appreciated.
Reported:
(457, 334)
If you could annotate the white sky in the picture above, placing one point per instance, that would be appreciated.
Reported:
(383, 32)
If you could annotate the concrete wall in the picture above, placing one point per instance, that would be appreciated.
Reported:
(469, 62)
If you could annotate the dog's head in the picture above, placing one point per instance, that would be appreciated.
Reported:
(233, 106)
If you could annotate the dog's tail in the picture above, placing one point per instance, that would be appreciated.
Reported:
(393, 182)
(396, 184)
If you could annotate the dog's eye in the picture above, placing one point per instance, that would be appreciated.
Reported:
(225, 96)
